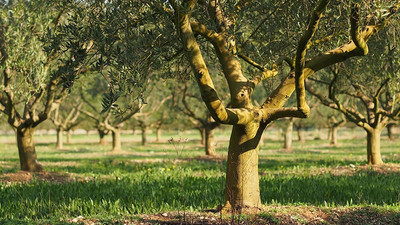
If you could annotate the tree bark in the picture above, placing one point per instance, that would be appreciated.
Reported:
(158, 134)
(210, 144)
(300, 134)
(116, 140)
(288, 136)
(144, 137)
(102, 135)
(334, 134)
(242, 184)
(59, 138)
(329, 133)
(202, 135)
(389, 128)
(374, 147)
(26, 150)
(69, 137)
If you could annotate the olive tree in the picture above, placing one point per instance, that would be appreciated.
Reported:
(38, 62)
(249, 121)
(366, 91)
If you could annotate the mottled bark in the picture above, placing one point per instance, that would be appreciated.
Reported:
(374, 147)
(116, 140)
(26, 150)
(59, 138)
(242, 183)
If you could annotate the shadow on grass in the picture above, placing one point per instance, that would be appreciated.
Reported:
(158, 191)
(304, 163)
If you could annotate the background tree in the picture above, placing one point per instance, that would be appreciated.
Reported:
(152, 112)
(193, 107)
(333, 125)
(390, 126)
(96, 99)
(372, 85)
(65, 117)
(39, 60)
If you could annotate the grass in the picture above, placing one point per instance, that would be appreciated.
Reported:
(163, 177)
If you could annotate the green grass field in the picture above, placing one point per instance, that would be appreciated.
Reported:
(84, 181)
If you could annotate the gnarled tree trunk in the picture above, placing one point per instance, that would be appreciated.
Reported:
(242, 184)
(374, 146)
(59, 138)
(116, 140)
(26, 150)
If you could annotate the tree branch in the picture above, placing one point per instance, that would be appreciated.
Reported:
(360, 43)
(301, 55)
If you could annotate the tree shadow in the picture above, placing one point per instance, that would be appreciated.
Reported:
(160, 191)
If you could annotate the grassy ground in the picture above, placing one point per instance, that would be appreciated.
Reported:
(171, 182)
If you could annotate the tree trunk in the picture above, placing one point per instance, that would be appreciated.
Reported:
(242, 191)
(389, 128)
(202, 135)
(374, 147)
(102, 136)
(144, 137)
(330, 133)
(69, 137)
(26, 150)
(288, 136)
(116, 140)
(158, 134)
(59, 138)
(210, 145)
(334, 131)
(300, 134)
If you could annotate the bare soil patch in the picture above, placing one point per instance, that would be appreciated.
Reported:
(352, 169)
(272, 215)
(26, 177)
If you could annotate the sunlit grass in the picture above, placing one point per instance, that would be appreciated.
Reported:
(163, 177)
